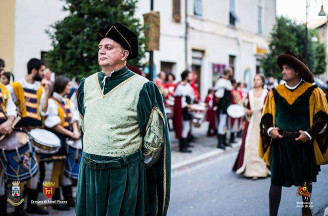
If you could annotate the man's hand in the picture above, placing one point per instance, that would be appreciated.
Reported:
(5, 128)
(75, 135)
(303, 137)
(274, 133)
(45, 83)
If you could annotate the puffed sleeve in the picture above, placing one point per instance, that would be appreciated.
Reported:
(75, 113)
(152, 122)
(52, 118)
(156, 147)
(80, 98)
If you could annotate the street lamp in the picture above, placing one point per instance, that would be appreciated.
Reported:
(322, 12)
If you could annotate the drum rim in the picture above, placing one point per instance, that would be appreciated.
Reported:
(38, 141)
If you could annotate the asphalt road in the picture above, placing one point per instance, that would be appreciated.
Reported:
(212, 189)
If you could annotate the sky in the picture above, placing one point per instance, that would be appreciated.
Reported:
(296, 9)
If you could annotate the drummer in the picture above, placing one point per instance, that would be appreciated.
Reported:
(7, 116)
(182, 115)
(222, 93)
(62, 119)
(31, 98)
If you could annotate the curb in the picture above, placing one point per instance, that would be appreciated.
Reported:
(203, 157)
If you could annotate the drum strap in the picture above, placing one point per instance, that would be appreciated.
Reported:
(61, 106)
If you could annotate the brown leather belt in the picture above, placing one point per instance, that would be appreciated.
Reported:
(289, 134)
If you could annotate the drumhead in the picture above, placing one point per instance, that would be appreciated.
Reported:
(45, 137)
(18, 138)
(199, 107)
(235, 111)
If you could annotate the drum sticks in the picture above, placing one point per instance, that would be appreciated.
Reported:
(18, 118)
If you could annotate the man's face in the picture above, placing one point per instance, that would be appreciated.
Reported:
(67, 88)
(39, 74)
(288, 73)
(47, 74)
(110, 53)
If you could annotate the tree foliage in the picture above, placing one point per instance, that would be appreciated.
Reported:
(289, 35)
(74, 39)
(320, 65)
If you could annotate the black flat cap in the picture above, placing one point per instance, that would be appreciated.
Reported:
(121, 35)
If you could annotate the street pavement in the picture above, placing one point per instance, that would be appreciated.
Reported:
(203, 184)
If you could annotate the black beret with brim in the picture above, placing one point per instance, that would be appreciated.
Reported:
(296, 61)
(121, 35)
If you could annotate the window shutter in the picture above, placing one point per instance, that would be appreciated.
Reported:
(176, 12)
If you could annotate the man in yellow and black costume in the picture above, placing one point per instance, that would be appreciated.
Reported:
(293, 130)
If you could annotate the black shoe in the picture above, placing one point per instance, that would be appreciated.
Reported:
(191, 138)
(185, 150)
(60, 207)
(224, 139)
(220, 142)
(33, 208)
(184, 146)
(232, 138)
(68, 195)
(190, 146)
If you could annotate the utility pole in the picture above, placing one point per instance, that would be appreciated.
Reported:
(186, 34)
(306, 34)
(151, 53)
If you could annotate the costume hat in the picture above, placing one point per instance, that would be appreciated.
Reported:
(121, 35)
(297, 62)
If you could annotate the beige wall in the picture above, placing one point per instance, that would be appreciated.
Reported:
(7, 32)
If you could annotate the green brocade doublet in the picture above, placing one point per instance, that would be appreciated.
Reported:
(123, 116)
(113, 116)
(292, 162)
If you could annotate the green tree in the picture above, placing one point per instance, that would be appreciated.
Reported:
(288, 35)
(281, 39)
(320, 64)
(74, 39)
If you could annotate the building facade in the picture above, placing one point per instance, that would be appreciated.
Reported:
(23, 26)
(220, 33)
(205, 36)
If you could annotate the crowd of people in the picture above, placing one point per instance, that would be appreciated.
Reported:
(125, 159)
(28, 104)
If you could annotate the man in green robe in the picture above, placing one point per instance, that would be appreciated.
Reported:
(126, 162)
(293, 131)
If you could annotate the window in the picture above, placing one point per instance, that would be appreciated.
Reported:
(232, 15)
(176, 12)
(232, 63)
(259, 19)
(198, 8)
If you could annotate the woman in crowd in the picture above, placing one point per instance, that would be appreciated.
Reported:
(6, 77)
(248, 161)
(62, 120)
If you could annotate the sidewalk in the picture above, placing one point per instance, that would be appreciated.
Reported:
(204, 149)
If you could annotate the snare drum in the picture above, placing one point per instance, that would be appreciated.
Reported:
(45, 141)
(74, 155)
(17, 156)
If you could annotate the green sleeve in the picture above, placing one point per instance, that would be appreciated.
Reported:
(149, 97)
(80, 97)
(154, 129)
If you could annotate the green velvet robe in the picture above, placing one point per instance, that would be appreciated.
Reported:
(135, 189)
